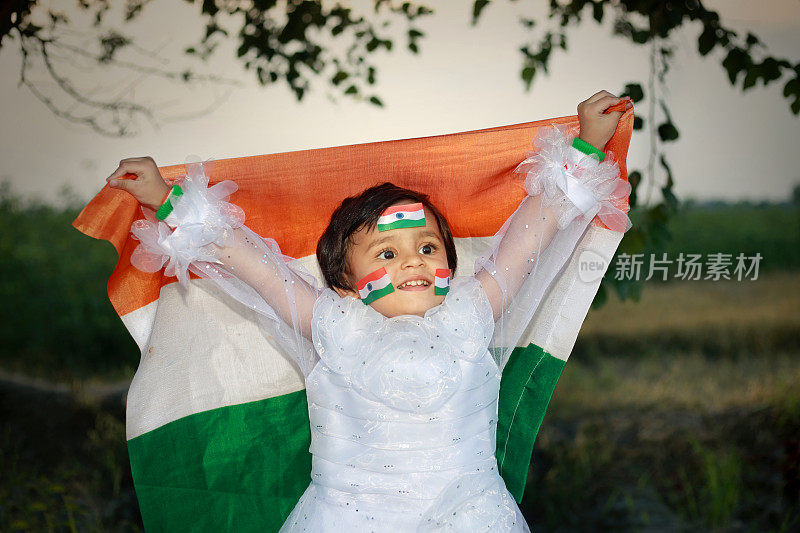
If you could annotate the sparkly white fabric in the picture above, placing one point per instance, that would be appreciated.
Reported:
(403, 418)
(403, 410)
(204, 216)
(578, 184)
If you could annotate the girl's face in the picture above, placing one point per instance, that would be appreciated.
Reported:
(410, 256)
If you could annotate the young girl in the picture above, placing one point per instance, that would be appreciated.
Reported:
(402, 361)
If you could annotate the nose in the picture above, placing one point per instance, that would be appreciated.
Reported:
(412, 260)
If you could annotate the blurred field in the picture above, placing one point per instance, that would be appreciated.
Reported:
(773, 230)
(694, 344)
(679, 412)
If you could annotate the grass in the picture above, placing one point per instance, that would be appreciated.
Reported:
(719, 319)
(680, 412)
(690, 422)
(767, 303)
(685, 381)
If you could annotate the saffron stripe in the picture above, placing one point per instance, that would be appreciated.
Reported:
(407, 207)
(378, 274)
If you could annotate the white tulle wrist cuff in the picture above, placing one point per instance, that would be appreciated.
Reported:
(202, 219)
(576, 184)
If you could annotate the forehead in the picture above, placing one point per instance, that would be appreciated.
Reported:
(367, 237)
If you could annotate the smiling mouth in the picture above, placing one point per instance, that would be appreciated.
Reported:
(414, 285)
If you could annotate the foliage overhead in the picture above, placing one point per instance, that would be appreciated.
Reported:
(653, 23)
(291, 42)
(647, 21)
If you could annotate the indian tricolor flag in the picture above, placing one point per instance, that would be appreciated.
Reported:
(374, 286)
(217, 419)
(441, 281)
(402, 216)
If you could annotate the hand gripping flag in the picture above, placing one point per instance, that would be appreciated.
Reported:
(217, 419)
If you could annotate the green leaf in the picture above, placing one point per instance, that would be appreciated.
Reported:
(339, 77)
(707, 40)
(770, 70)
(752, 40)
(634, 178)
(792, 87)
(668, 132)
(635, 91)
(477, 7)
(638, 123)
(666, 190)
(640, 36)
(351, 90)
(375, 100)
(736, 61)
(597, 11)
(527, 75)
(750, 78)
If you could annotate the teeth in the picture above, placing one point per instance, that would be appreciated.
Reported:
(415, 283)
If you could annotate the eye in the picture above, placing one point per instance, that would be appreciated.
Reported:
(427, 249)
(386, 254)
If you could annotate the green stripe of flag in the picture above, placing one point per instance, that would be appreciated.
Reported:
(237, 468)
(529, 379)
(441, 291)
(403, 223)
(379, 293)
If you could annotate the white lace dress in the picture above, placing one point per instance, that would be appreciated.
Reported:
(403, 417)
(403, 410)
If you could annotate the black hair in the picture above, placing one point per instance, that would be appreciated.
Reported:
(363, 211)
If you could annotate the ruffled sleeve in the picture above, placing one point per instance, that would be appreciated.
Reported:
(566, 190)
(576, 183)
(205, 235)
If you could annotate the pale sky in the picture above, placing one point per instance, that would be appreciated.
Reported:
(733, 145)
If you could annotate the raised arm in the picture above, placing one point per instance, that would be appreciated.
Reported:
(567, 186)
(195, 229)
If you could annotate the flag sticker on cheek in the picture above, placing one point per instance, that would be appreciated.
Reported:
(441, 281)
(375, 285)
(402, 216)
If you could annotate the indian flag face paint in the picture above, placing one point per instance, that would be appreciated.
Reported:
(374, 286)
(402, 216)
(441, 281)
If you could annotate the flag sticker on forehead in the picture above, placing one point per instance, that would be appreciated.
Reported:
(402, 216)
(374, 286)
(441, 281)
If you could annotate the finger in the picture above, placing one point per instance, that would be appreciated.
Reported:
(604, 103)
(621, 106)
(135, 166)
(598, 95)
(120, 172)
(122, 184)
